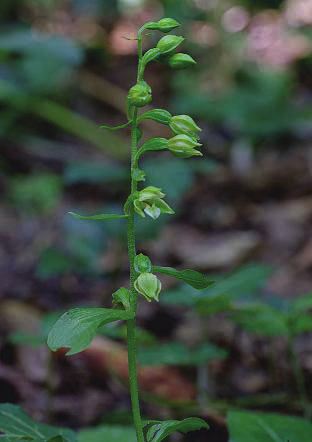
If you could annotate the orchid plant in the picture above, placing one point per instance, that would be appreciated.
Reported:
(77, 327)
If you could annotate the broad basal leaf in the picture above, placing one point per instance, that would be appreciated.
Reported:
(16, 425)
(102, 217)
(77, 327)
(156, 431)
(107, 433)
(193, 278)
(265, 427)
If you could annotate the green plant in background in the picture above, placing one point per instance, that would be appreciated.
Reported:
(76, 328)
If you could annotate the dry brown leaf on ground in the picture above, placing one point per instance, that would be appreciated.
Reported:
(164, 382)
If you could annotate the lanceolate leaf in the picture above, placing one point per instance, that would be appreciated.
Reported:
(102, 217)
(156, 143)
(193, 278)
(77, 327)
(156, 431)
(16, 425)
(150, 55)
(159, 115)
(264, 427)
(121, 126)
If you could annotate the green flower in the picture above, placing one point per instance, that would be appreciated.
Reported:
(182, 146)
(149, 202)
(184, 124)
(148, 285)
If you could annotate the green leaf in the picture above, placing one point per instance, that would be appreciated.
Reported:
(156, 431)
(262, 320)
(102, 217)
(300, 324)
(156, 143)
(16, 425)
(247, 280)
(302, 303)
(214, 304)
(193, 278)
(34, 341)
(175, 353)
(107, 433)
(150, 55)
(121, 126)
(159, 115)
(77, 327)
(264, 427)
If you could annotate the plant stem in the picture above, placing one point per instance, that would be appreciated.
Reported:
(299, 378)
(131, 324)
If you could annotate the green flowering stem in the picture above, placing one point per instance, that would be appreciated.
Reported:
(131, 323)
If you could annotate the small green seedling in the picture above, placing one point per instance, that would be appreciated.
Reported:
(77, 327)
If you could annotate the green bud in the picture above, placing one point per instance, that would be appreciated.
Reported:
(142, 264)
(183, 124)
(150, 193)
(121, 297)
(182, 146)
(181, 61)
(163, 25)
(148, 285)
(169, 43)
(140, 94)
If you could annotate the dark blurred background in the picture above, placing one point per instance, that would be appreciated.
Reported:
(243, 208)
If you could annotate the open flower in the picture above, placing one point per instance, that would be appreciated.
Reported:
(149, 202)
